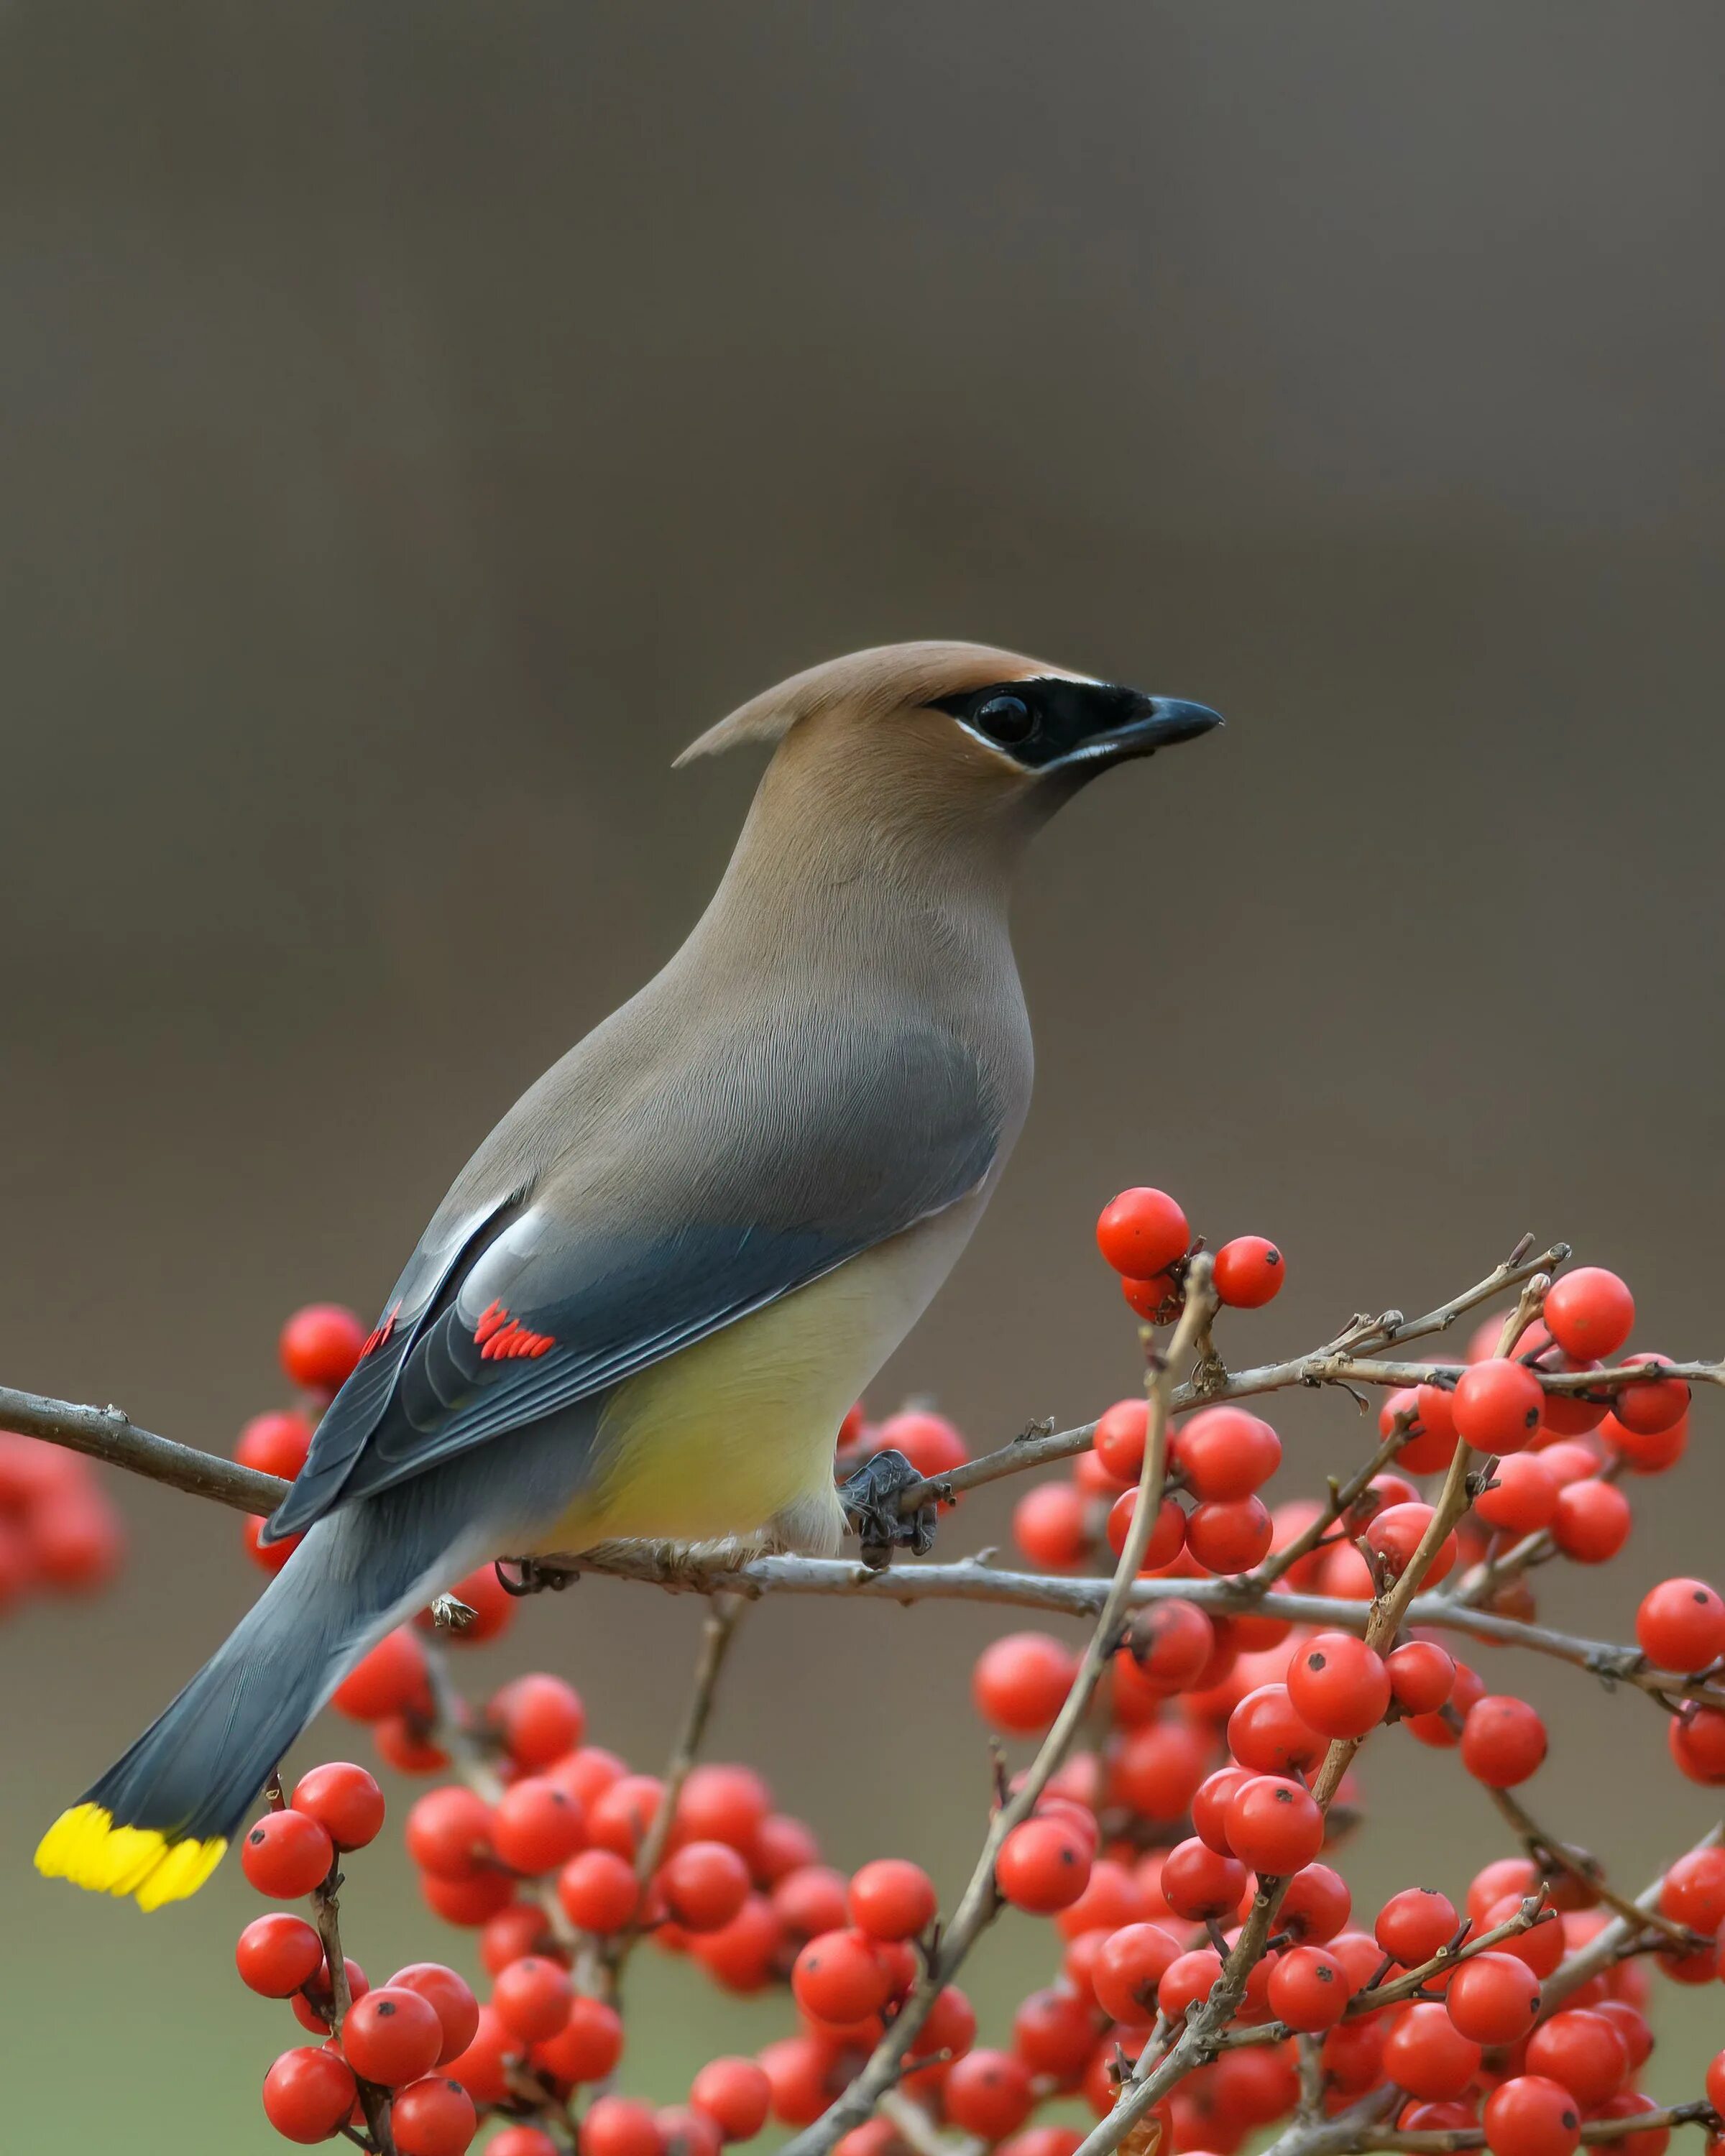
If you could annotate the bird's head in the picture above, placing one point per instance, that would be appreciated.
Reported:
(941, 731)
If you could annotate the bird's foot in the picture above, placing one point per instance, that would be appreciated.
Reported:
(870, 1497)
(532, 1577)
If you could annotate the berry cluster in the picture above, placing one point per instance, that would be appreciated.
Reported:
(58, 1530)
(1180, 1825)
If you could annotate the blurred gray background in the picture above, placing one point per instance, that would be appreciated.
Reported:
(416, 421)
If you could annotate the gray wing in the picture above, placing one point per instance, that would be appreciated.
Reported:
(691, 1204)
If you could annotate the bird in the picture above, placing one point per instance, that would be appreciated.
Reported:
(648, 1302)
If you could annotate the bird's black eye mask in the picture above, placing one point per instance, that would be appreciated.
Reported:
(1049, 720)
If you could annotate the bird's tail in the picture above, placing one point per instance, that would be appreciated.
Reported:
(157, 1823)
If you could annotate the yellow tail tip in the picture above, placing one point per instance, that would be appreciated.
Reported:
(84, 1847)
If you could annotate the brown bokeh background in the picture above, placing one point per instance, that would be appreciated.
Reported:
(419, 420)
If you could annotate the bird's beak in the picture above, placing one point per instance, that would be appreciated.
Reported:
(1154, 722)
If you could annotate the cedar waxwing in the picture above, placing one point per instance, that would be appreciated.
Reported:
(653, 1294)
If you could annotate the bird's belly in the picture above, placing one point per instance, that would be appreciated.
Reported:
(724, 1437)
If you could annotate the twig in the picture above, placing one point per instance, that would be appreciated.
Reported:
(1595, 2131)
(1411, 1983)
(723, 1618)
(980, 1900)
(1541, 1845)
(373, 2100)
(1317, 1368)
(1613, 1940)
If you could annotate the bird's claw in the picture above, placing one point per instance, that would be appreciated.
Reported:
(532, 1577)
(870, 1497)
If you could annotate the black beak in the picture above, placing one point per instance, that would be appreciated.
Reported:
(1153, 722)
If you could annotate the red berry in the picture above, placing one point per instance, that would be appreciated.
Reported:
(1591, 1522)
(483, 2068)
(1053, 2032)
(1522, 1496)
(1681, 1625)
(1430, 1441)
(1647, 1453)
(391, 1679)
(1043, 1865)
(1170, 1643)
(988, 2092)
(735, 2094)
(1629, 2104)
(308, 2094)
(704, 1883)
(1316, 1905)
(1421, 1677)
(1497, 1404)
(892, 1899)
(781, 1846)
(1393, 1537)
(1434, 1729)
(539, 1717)
(588, 2046)
(314, 2006)
(1338, 1685)
(320, 1345)
(620, 1817)
(450, 1997)
(433, 2117)
(532, 1996)
(1531, 2115)
(1693, 1892)
(274, 1444)
(1209, 1806)
(1502, 1877)
(449, 1833)
(745, 1954)
(1198, 1884)
(1697, 1744)
(839, 1977)
(520, 2141)
(277, 1953)
(1167, 1538)
(1249, 1272)
(537, 1825)
(1142, 1233)
(286, 1855)
(1129, 1966)
(344, 1800)
(1503, 1741)
(1581, 2051)
(1229, 1537)
(933, 1445)
(1158, 1770)
(812, 1900)
(1589, 1313)
(1493, 1999)
(1021, 1682)
(1428, 2055)
(1051, 1524)
(1121, 1433)
(1413, 1925)
(391, 2037)
(1225, 1453)
(1309, 1989)
(1274, 1825)
(1654, 1403)
(1266, 1733)
(619, 2126)
(1187, 1980)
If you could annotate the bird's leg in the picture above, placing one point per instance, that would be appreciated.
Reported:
(532, 1577)
(870, 1497)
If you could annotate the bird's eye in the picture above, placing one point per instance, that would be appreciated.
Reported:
(1006, 719)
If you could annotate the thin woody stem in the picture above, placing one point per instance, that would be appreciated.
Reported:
(723, 1618)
